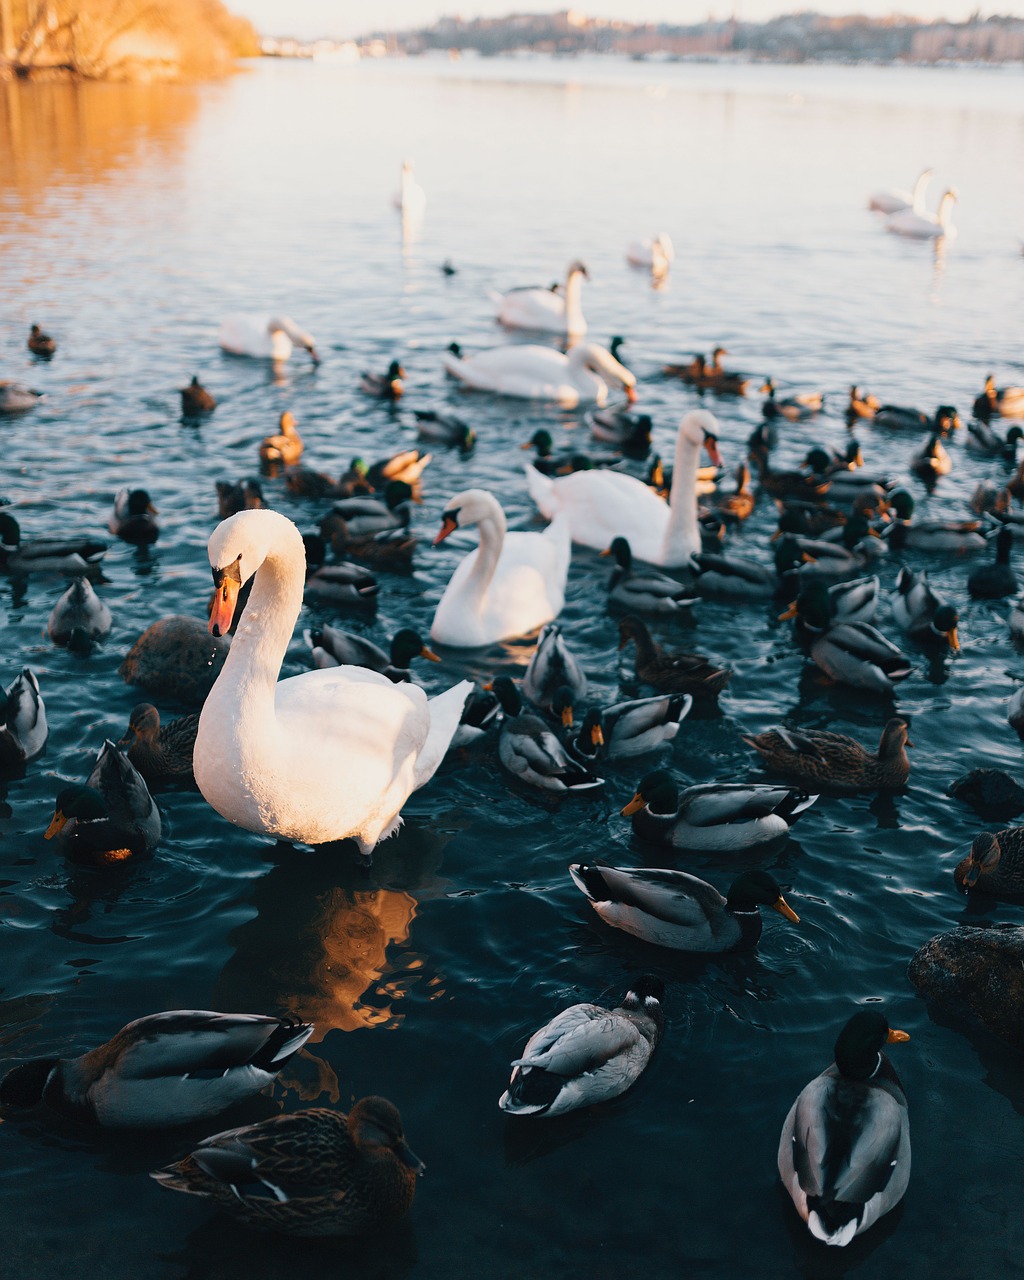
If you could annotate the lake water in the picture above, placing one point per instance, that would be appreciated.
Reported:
(130, 220)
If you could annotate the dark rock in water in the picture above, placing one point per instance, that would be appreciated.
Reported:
(991, 792)
(977, 973)
(176, 658)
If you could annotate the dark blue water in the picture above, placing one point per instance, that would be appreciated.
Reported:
(130, 220)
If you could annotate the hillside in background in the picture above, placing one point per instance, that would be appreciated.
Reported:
(122, 39)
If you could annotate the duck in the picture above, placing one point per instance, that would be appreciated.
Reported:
(314, 1172)
(406, 467)
(162, 753)
(925, 226)
(659, 480)
(921, 612)
(996, 580)
(541, 373)
(133, 518)
(931, 461)
(510, 585)
(264, 337)
(445, 429)
(546, 310)
(241, 495)
(644, 590)
(603, 505)
(15, 397)
(1006, 402)
(111, 818)
(818, 560)
(553, 667)
(900, 417)
(625, 729)
(904, 533)
(818, 606)
(268, 753)
(733, 577)
(692, 370)
(995, 864)
(655, 253)
(787, 484)
(163, 1069)
(196, 400)
(479, 717)
(41, 344)
(549, 463)
(715, 377)
(981, 436)
(286, 445)
(737, 506)
(342, 583)
(332, 647)
(531, 752)
(794, 408)
(587, 1054)
(676, 910)
(79, 606)
(855, 653)
(856, 1107)
(862, 406)
(355, 522)
(301, 482)
(823, 760)
(175, 658)
(384, 386)
(674, 672)
(894, 199)
(23, 729)
(715, 817)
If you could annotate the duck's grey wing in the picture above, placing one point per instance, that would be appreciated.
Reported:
(712, 805)
(630, 719)
(862, 639)
(581, 1039)
(673, 896)
(197, 1042)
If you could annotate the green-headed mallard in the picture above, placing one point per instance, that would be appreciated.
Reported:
(620, 426)
(995, 864)
(996, 580)
(307, 1173)
(818, 758)
(680, 911)
(714, 817)
(944, 420)
(625, 729)
(921, 612)
(110, 818)
(929, 535)
(406, 467)
(552, 667)
(674, 672)
(844, 1153)
(982, 437)
(530, 751)
(162, 753)
(79, 606)
(165, 1069)
(1005, 401)
(587, 1054)
(358, 520)
(196, 400)
(133, 518)
(46, 555)
(644, 590)
(343, 584)
(819, 607)
(808, 560)
(384, 386)
(286, 445)
(22, 722)
(444, 428)
(333, 647)
(855, 653)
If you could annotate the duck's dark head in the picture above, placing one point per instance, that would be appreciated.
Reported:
(756, 889)
(856, 530)
(591, 734)
(895, 736)
(859, 1046)
(541, 441)
(818, 460)
(656, 791)
(505, 690)
(902, 504)
(143, 723)
(407, 645)
(984, 857)
(561, 706)
(396, 493)
(75, 802)
(139, 503)
(946, 419)
(646, 992)
(622, 552)
(10, 532)
(945, 623)
(633, 628)
(26, 1084)
(376, 1127)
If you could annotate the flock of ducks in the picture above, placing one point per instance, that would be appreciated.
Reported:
(844, 1152)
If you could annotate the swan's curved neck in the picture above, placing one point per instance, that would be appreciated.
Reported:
(946, 209)
(573, 305)
(682, 535)
(492, 535)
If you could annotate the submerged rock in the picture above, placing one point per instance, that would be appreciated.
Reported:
(977, 973)
(991, 792)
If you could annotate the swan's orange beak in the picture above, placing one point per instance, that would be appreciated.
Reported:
(711, 445)
(631, 394)
(448, 525)
(223, 611)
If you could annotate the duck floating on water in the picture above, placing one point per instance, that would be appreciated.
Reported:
(41, 344)
(23, 729)
(834, 761)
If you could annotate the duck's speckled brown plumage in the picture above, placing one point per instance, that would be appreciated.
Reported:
(177, 658)
(162, 753)
(817, 758)
(675, 672)
(995, 864)
(337, 1174)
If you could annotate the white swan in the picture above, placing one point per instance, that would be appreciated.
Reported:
(604, 505)
(411, 199)
(893, 199)
(656, 254)
(324, 755)
(511, 584)
(925, 226)
(546, 310)
(264, 337)
(541, 373)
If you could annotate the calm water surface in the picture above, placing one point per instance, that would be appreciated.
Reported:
(130, 220)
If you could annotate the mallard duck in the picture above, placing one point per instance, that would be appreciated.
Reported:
(196, 400)
(715, 817)
(691, 370)
(854, 653)
(22, 722)
(931, 461)
(406, 468)
(41, 344)
(333, 647)
(46, 555)
(587, 1054)
(787, 484)
(175, 658)
(739, 504)
(644, 590)
(995, 864)
(1005, 401)
(352, 483)
(111, 817)
(919, 610)
(848, 482)
(862, 406)
(384, 386)
(444, 428)
(674, 672)
(479, 716)
(133, 518)
(357, 520)
(992, 793)
(307, 1173)
(676, 910)
(715, 377)
(79, 606)
(549, 463)
(899, 417)
(996, 580)
(818, 560)
(342, 583)
(734, 577)
(618, 425)
(817, 758)
(284, 447)
(659, 478)
(162, 753)
(929, 535)
(795, 407)
(553, 666)
(304, 482)
(241, 495)
(844, 1153)
(165, 1069)
(530, 751)
(625, 729)
(819, 607)
(15, 397)
(982, 437)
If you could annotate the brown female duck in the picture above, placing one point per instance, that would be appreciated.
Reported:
(675, 672)
(284, 447)
(995, 864)
(162, 753)
(816, 758)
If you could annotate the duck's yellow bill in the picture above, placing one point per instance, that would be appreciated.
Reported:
(954, 640)
(791, 612)
(597, 736)
(429, 654)
(567, 717)
(57, 824)
(784, 909)
(897, 1037)
(634, 805)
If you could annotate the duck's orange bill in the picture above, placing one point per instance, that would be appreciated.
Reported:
(57, 824)
(634, 805)
(784, 909)
(567, 717)
(791, 612)
(597, 736)
(897, 1037)
(429, 654)
(448, 525)
(223, 612)
(954, 640)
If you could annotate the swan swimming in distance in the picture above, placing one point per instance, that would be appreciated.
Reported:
(893, 199)
(541, 373)
(925, 226)
(546, 310)
(263, 337)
